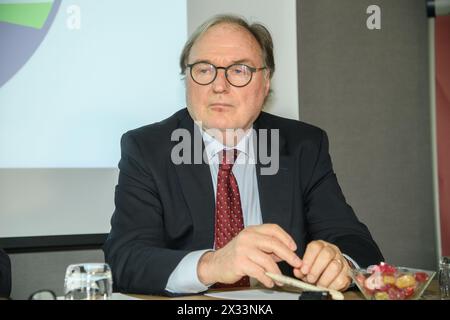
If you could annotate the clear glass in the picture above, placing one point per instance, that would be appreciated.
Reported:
(404, 284)
(444, 278)
(88, 281)
(43, 295)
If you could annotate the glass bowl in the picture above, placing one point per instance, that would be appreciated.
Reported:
(387, 282)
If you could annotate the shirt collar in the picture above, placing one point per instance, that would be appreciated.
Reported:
(213, 146)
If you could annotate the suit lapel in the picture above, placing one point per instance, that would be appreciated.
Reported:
(275, 191)
(197, 188)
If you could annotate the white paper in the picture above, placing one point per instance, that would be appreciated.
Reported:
(114, 296)
(254, 294)
(121, 296)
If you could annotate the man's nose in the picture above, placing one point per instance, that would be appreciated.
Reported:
(220, 84)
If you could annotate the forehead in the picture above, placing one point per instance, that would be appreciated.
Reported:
(228, 42)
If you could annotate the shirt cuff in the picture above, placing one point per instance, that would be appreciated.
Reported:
(184, 279)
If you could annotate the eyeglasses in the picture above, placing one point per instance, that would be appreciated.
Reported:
(238, 75)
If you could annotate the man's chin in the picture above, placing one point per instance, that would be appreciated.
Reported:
(220, 125)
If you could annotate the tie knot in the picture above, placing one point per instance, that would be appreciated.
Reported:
(227, 159)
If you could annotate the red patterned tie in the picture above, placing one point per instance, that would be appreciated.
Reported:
(229, 218)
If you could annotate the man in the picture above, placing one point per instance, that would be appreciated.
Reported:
(5, 275)
(182, 227)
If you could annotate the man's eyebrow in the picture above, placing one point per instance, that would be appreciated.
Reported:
(201, 60)
(246, 61)
(240, 61)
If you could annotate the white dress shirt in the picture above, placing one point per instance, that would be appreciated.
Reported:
(184, 279)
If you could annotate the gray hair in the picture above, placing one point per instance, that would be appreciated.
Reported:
(259, 32)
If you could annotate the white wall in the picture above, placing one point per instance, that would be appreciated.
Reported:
(280, 18)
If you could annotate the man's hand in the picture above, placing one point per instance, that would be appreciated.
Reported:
(324, 265)
(253, 252)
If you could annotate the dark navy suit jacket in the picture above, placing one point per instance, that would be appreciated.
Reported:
(164, 211)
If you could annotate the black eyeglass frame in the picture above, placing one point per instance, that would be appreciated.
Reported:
(252, 70)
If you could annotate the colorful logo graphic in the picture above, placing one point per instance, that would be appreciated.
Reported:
(23, 26)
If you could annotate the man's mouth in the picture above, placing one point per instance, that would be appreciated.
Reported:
(220, 105)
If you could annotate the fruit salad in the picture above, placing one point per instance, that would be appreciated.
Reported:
(386, 282)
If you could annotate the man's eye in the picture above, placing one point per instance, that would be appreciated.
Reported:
(204, 70)
(239, 70)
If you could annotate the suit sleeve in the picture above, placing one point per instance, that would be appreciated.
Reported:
(329, 217)
(5, 275)
(140, 259)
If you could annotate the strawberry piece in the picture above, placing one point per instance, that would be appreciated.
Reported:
(387, 268)
(421, 276)
(396, 294)
(386, 287)
(409, 291)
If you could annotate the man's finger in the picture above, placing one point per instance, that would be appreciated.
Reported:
(312, 251)
(255, 271)
(325, 256)
(331, 272)
(342, 281)
(277, 232)
(274, 246)
(265, 261)
(276, 258)
(299, 274)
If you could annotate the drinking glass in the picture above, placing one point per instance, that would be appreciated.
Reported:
(43, 295)
(88, 281)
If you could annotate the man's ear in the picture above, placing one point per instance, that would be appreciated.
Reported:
(267, 84)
